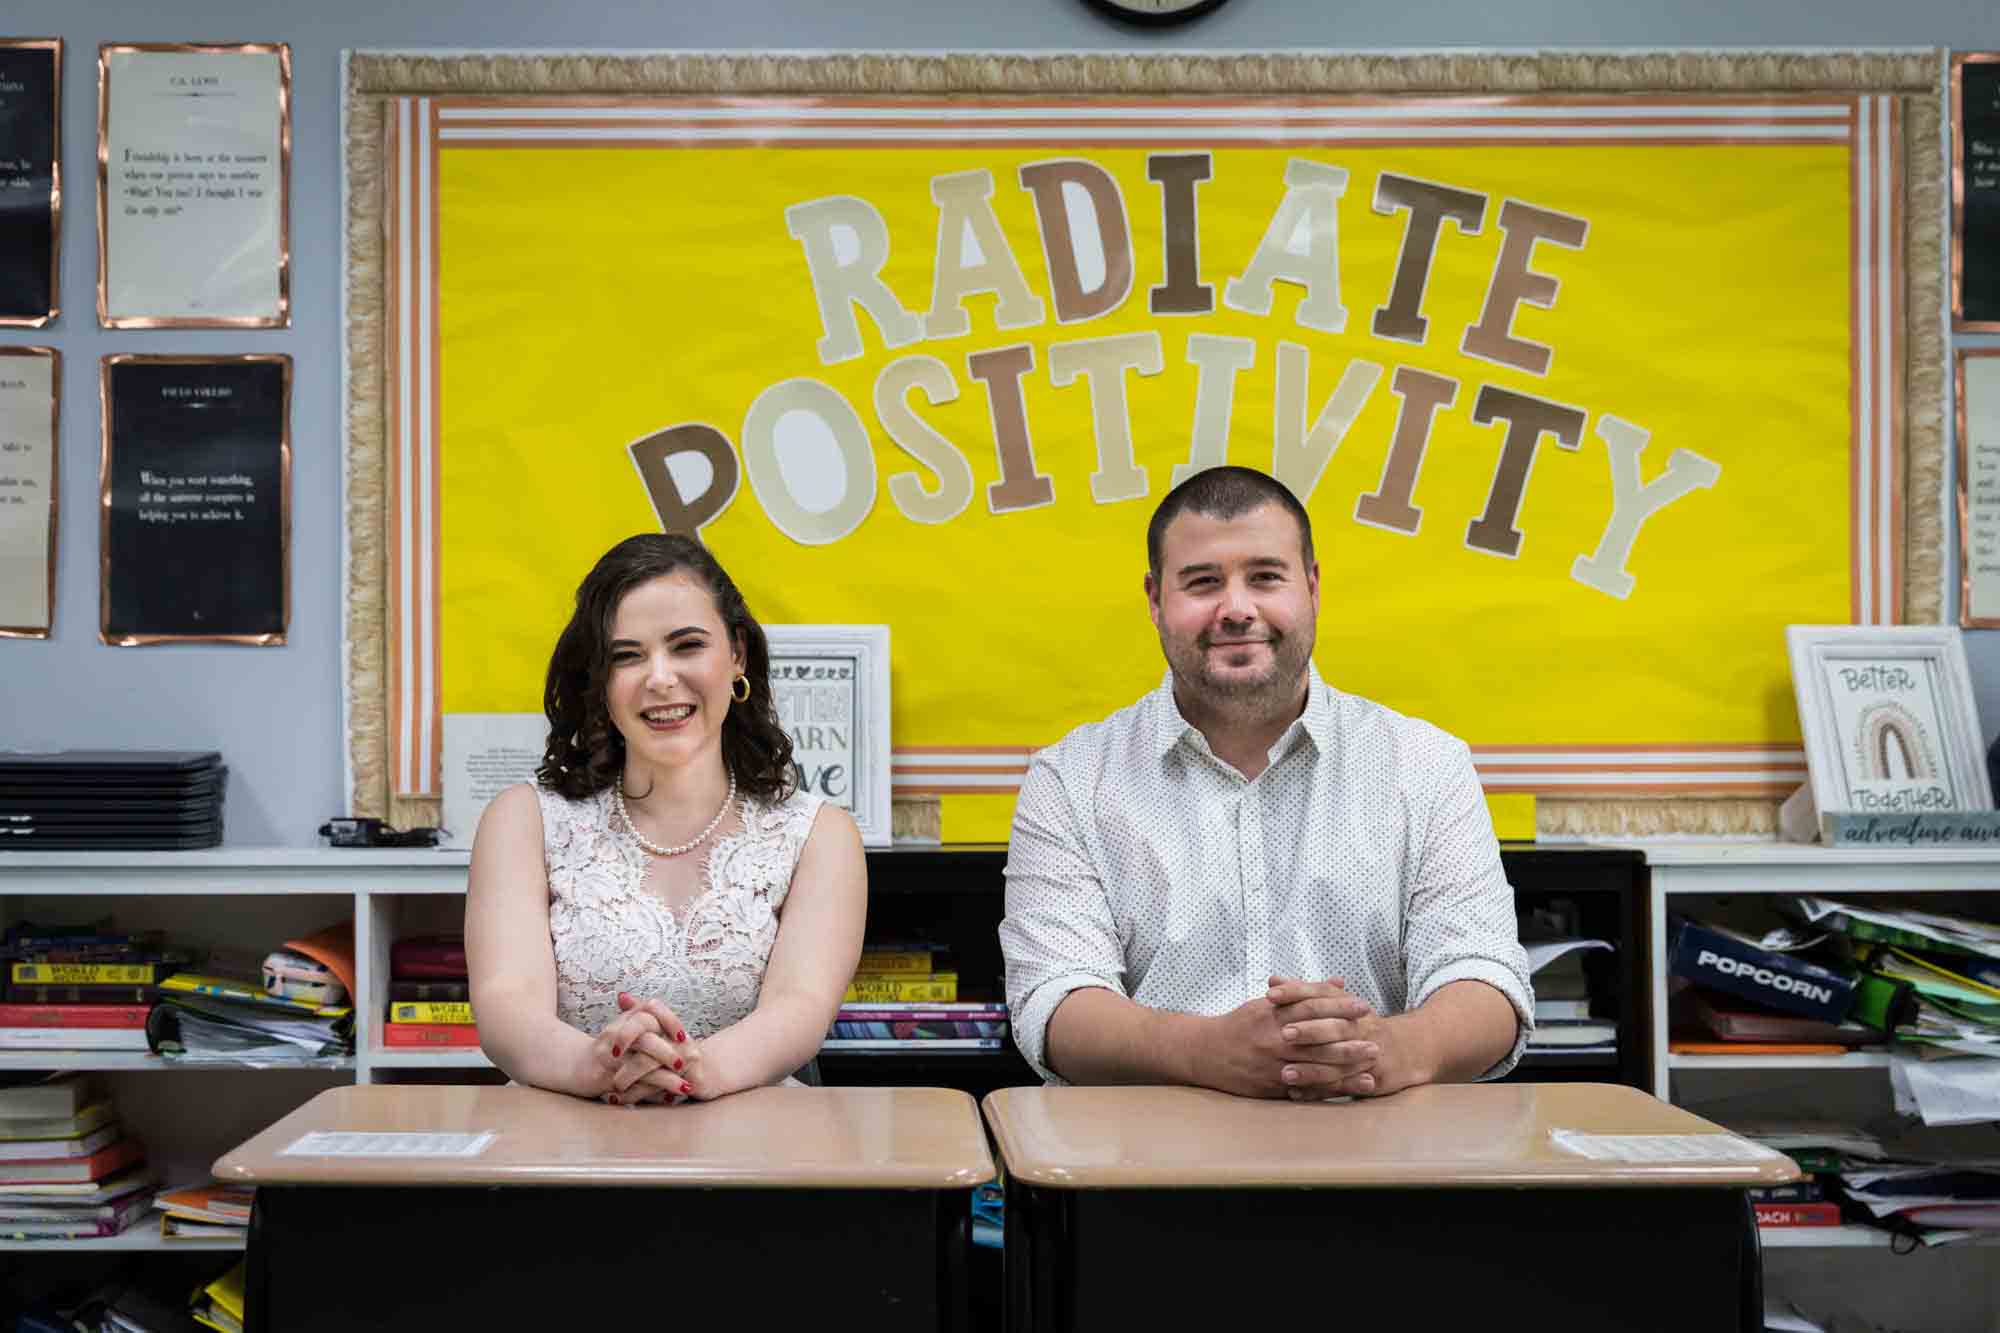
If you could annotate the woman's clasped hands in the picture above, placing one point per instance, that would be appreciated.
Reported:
(646, 1055)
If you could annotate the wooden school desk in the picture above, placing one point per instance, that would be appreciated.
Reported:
(761, 1209)
(1438, 1208)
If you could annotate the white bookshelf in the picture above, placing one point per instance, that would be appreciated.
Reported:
(456, 1059)
(1851, 1238)
(1863, 1059)
(105, 1062)
(1949, 1286)
(250, 899)
(142, 1235)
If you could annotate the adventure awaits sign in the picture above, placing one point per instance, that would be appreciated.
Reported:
(1587, 399)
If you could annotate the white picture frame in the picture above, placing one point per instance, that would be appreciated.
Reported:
(1888, 719)
(830, 687)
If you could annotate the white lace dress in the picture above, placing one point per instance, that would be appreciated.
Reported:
(695, 934)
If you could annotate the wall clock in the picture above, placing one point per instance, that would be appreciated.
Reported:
(1158, 13)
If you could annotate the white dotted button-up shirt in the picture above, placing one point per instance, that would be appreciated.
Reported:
(1142, 863)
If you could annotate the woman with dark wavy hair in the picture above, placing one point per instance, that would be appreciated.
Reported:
(662, 915)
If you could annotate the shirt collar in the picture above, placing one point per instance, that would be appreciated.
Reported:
(1317, 721)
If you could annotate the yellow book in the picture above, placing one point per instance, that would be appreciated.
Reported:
(85, 974)
(231, 988)
(932, 988)
(220, 1304)
(895, 960)
(431, 1011)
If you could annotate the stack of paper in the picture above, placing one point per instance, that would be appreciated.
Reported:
(1944, 972)
(207, 1017)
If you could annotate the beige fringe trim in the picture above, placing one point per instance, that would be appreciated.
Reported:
(367, 479)
(1926, 387)
(390, 74)
(375, 77)
(1725, 816)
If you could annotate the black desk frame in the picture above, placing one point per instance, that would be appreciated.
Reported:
(1632, 1259)
(428, 1257)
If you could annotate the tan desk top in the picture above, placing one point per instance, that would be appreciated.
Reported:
(778, 1138)
(1484, 1134)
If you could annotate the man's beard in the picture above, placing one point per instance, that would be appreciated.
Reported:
(1246, 697)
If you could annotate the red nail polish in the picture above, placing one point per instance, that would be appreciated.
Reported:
(616, 1052)
(680, 1036)
(679, 1063)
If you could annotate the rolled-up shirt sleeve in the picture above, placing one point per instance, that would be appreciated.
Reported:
(1058, 934)
(1460, 908)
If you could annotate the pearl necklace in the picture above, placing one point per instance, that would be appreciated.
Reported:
(625, 817)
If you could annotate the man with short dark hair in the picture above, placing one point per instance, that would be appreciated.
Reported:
(1248, 880)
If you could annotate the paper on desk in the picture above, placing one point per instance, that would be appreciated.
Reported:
(331, 1143)
(1661, 1147)
(1946, 1092)
(1544, 952)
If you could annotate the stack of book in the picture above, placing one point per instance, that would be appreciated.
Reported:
(217, 1017)
(904, 997)
(972, 1026)
(80, 988)
(111, 799)
(1562, 999)
(67, 1170)
(1707, 1022)
(430, 998)
(1824, 1151)
(197, 1212)
(902, 974)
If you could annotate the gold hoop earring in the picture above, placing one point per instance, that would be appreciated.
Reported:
(739, 689)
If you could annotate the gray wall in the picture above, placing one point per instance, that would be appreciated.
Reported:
(275, 712)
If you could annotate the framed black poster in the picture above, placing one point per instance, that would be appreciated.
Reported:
(1975, 193)
(196, 499)
(30, 179)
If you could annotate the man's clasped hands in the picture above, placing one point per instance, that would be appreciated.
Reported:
(1309, 1041)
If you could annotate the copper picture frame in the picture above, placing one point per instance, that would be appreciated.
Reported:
(109, 366)
(54, 46)
(54, 358)
(1968, 539)
(1959, 321)
(280, 315)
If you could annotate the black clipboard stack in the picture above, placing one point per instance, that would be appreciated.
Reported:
(111, 800)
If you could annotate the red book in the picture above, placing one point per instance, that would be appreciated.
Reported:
(73, 1015)
(73, 1170)
(428, 956)
(430, 1034)
(1798, 1214)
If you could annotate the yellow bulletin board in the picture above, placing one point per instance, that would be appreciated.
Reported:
(1590, 387)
